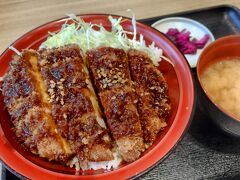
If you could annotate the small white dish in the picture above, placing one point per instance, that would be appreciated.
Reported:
(197, 30)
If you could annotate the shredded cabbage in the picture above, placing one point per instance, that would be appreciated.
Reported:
(84, 34)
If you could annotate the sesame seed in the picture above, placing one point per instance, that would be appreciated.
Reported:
(55, 64)
(62, 102)
(85, 141)
(146, 146)
(104, 86)
(114, 97)
(50, 91)
(109, 84)
(62, 93)
(52, 96)
(114, 81)
(120, 65)
(74, 80)
(123, 81)
(110, 65)
(152, 88)
(52, 82)
(43, 62)
(135, 101)
(60, 87)
(57, 99)
(104, 80)
(87, 81)
(62, 79)
(65, 116)
(52, 86)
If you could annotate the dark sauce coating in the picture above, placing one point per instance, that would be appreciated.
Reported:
(109, 67)
(18, 95)
(72, 109)
(18, 84)
(134, 110)
(23, 101)
(110, 71)
(121, 112)
(152, 91)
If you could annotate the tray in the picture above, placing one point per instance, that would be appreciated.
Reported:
(205, 152)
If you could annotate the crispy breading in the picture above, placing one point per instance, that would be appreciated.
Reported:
(53, 106)
(31, 116)
(74, 104)
(111, 75)
(56, 114)
(152, 91)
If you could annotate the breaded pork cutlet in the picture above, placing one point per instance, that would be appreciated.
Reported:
(75, 109)
(54, 109)
(26, 100)
(109, 69)
(152, 91)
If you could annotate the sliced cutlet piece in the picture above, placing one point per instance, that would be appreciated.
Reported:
(152, 90)
(109, 68)
(74, 104)
(25, 98)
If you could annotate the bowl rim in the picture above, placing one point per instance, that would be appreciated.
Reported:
(211, 46)
(189, 116)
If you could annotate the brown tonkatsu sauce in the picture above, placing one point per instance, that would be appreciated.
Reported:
(111, 75)
(56, 113)
(30, 114)
(72, 106)
(152, 92)
(54, 108)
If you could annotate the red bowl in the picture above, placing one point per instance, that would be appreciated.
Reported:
(223, 48)
(181, 91)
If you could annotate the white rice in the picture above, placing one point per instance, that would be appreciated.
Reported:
(108, 165)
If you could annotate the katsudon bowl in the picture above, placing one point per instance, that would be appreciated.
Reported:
(181, 93)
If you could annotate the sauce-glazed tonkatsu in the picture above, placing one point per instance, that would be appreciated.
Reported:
(81, 108)
(152, 93)
(112, 78)
(75, 108)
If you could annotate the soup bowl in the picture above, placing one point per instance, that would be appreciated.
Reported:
(223, 48)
